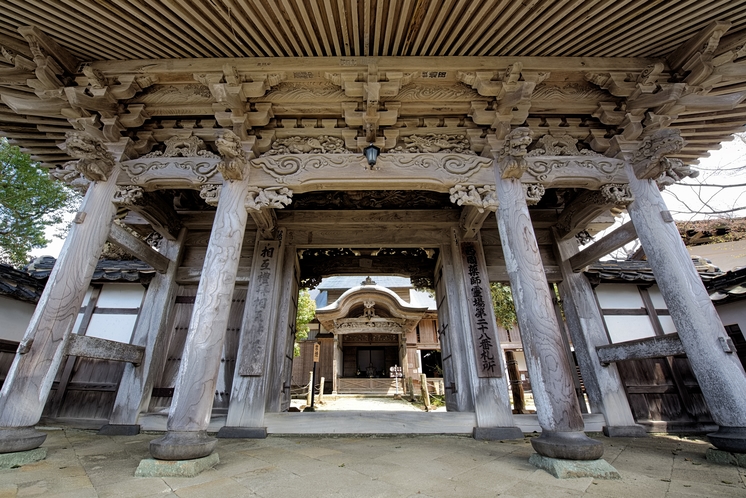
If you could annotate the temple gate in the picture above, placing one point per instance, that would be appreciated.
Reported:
(497, 164)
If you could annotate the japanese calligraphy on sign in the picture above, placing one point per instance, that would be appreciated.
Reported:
(487, 348)
(259, 308)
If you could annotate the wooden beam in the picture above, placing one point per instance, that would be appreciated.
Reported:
(611, 242)
(652, 347)
(138, 248)
(580, 212)
(471, 221)
(104, 349)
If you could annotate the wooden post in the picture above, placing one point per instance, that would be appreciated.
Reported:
(281, 361)
(310, 388)
(425, 393)
(459, 396)
(707, 345)
(152, 330)
(557, 407)
(516, 386)
(585, 323)
(410, 388)
(321, 390)
(40, 353)
(251, 380)
(483, 352)
(194, 392)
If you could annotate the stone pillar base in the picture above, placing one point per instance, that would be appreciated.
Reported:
(569, 469)
(730, 439)
(567, 446)
(496, 433)
(19, 458)
(625, 431)
(150, 467)
(725, 458)
(182, 445)
(119, 430)
(15, 439)
(242, 432)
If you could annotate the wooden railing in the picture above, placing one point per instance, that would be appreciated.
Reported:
(367, 386)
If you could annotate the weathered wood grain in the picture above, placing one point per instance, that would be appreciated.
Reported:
(586, 327)
(153, 332)
(650, 347)
(548, 364)
(281, 364)
(136, 247)
(27, 385)
(720, 374)
(195, 385)
(491, 399)
(458, 387)
(104, 349)
(258, 336)
(611, 242)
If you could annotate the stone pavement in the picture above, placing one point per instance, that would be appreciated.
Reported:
(82, 464)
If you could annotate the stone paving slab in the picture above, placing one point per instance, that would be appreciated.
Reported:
(82, 464)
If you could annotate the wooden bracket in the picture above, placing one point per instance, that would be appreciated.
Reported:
(138, 248)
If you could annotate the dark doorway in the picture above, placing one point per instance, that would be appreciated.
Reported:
(432, 364)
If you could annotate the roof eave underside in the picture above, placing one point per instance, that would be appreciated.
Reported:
(125, 30)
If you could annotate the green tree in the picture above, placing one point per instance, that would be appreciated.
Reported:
(502, 302)
(306, 313)
(30, 201)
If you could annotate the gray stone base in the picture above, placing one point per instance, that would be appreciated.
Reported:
(15, 439)
(567, 446)
(19, 458)
(625, 431)
(730, 439)
(186, 445)
(726, 458)
(496, 433)
(119, 430)
(242, 432)
(569, 469)
(150, 467)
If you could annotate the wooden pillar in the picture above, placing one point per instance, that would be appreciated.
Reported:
(549, 367)
(516, 386)
(152, 331)
(456, 375)
(251, 381)
(281, 357)
(43, 347)
(483, 354)
(709, 349)
(336, 363)
(191, 406)
(585, 323)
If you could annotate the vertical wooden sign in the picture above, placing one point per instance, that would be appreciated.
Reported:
(257, 317)
(316, 352)
(481, 315)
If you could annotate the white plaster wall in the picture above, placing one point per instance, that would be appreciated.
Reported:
(667, 324)
(619, 296)
(657, 298)
(113, 327)
(733, 313)
(628, 328)
(121, 296)
(14, 318)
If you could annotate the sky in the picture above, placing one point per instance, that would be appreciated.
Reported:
(684, 202)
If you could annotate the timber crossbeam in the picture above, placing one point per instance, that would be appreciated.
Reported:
(104, 349)
(651, 347)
